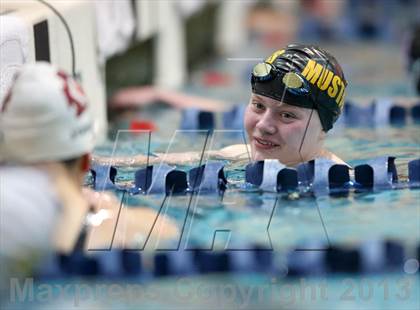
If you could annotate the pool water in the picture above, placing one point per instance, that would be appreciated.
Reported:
(388, 214)
(275, 221)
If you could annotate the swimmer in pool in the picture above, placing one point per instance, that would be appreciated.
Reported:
(297, 95)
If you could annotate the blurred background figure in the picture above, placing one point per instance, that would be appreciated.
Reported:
(414, 56)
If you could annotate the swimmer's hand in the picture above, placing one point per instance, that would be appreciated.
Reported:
(100, 200)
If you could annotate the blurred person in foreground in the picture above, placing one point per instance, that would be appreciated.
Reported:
(46, 136)
(297, 95)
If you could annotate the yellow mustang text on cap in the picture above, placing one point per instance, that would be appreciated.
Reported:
(325, 80)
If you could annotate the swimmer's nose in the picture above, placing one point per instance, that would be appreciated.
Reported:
(266, 125)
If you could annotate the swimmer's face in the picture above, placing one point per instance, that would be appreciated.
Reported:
(275, 131)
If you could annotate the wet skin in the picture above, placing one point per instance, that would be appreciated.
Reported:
(276, 130)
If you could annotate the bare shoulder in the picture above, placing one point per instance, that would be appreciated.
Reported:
(334, 158)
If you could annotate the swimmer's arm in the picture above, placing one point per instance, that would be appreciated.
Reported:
(124, 160)
(232, 152)
(73, 208)
(169, 158)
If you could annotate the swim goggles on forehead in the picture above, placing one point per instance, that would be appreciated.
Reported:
(292, 81)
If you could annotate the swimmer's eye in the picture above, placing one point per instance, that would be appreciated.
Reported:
(287, 116)
(258, 106)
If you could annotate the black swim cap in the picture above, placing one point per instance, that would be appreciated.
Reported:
(304, 76)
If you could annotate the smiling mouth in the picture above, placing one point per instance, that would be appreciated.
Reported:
(264, 144)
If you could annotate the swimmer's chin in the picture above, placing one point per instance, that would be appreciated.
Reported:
(257, 156)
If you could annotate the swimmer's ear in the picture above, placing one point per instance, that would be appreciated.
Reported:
(85, 162)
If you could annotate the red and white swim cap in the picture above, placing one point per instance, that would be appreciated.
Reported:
(44, 117)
